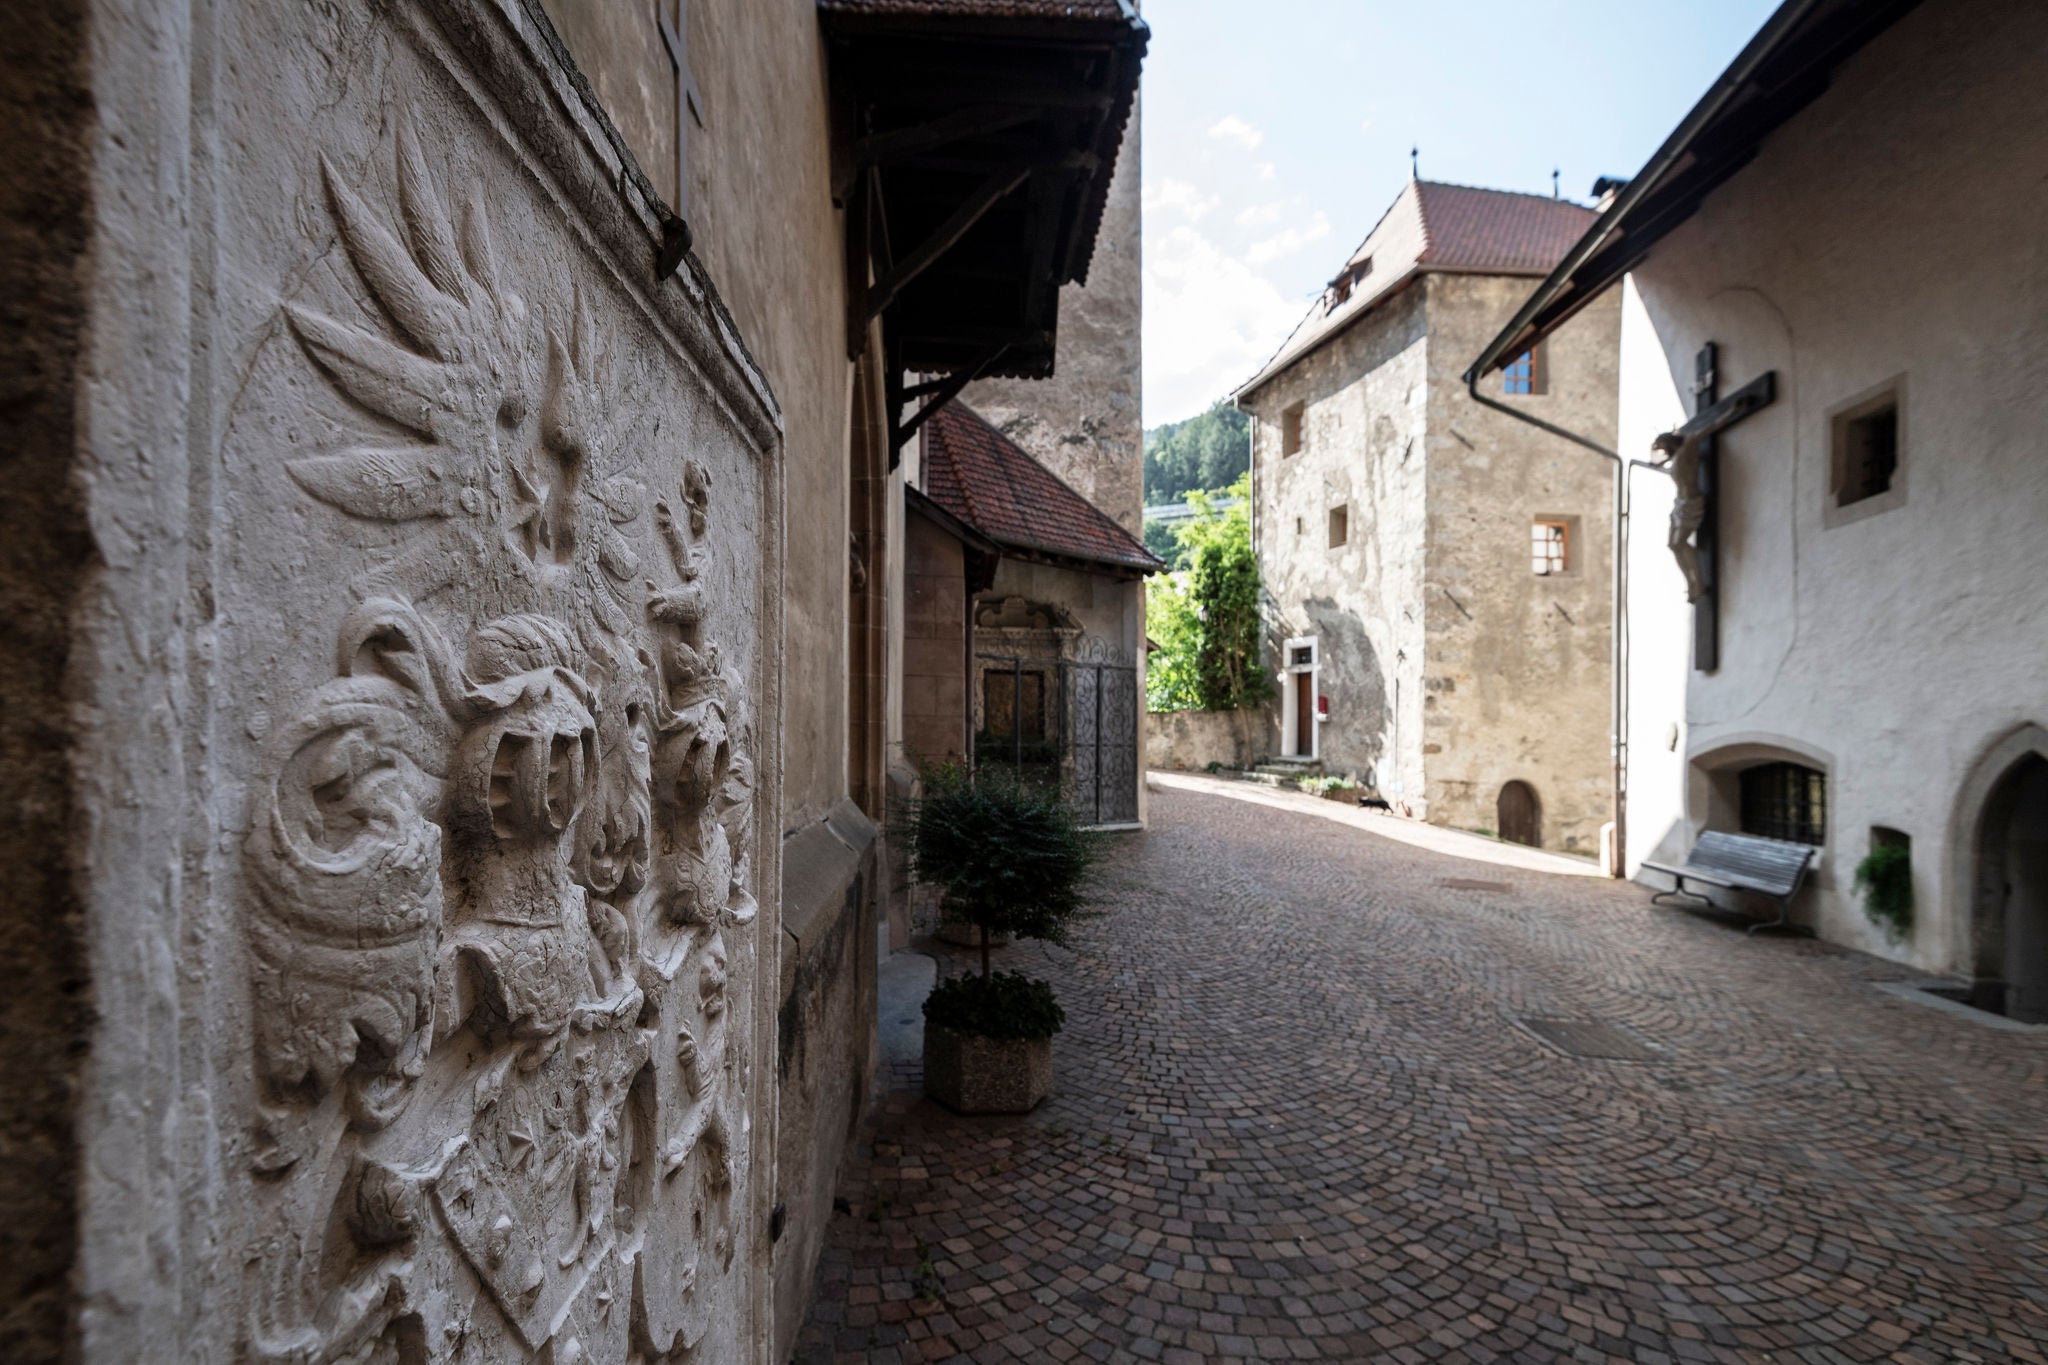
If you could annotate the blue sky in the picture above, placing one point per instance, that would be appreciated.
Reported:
(1276, 132)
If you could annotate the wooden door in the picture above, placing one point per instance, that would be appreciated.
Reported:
(1304, 714)
(1520, 815)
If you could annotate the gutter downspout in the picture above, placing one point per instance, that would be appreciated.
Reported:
(1618, 604)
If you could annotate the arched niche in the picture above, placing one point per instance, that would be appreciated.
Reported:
(1998, 875)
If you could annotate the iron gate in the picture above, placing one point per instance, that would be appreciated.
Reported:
(1068, 720)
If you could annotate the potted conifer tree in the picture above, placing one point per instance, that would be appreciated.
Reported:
(1009, 857)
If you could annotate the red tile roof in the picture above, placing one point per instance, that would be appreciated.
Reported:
(1467, 228)
(1430, 227)
(982, 477)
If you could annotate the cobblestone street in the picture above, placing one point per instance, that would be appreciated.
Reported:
(1303, 1110)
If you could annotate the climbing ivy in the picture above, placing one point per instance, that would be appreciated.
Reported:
(1204, 619)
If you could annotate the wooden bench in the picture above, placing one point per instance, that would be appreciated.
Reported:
(1742, 862)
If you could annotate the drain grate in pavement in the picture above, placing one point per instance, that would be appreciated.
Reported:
(1468, 884)
(1578, 1038)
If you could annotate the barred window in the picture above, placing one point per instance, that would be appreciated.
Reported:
(1785, 801)
(1549, 547)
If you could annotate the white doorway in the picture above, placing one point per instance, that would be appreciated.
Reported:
(1298, 698)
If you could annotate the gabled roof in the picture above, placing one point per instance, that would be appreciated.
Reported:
(986, 480)
(1791, 62)
(979, 138)
(1432, 226)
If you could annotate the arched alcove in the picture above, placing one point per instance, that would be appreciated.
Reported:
(1519, 814)
(2003, 861)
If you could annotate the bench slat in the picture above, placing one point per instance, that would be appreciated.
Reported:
(1745, 861)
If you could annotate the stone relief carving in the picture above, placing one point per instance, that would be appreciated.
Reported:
(497, 863)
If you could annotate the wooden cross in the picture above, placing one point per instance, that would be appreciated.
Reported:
(1711, 416)
(675, 36)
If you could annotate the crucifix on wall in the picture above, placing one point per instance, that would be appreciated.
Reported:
(1690, 455)
(675, 36)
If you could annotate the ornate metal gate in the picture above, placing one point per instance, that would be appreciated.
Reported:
(1072, 720)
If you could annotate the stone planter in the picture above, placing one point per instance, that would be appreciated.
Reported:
(970, 1074)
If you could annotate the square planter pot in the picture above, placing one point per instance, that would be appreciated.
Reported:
(970, 1074)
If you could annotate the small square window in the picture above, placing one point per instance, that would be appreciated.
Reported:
(1525, 373)
(1549, 547)
(1866, 452)
(1340, 525)
(1290, 430)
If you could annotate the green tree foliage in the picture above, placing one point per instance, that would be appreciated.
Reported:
(1206, 452)
(1161, 541)
(1205, 618)
(1008, 855)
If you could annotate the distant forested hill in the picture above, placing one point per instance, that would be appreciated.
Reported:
(1207, 451)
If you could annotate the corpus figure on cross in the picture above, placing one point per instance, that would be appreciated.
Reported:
(1681, 460)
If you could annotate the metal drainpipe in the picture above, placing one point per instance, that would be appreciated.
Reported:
(1618, 598)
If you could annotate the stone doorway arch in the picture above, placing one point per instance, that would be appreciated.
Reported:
(1519, 814)
(2003, 863)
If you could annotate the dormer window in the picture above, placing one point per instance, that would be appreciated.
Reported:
(1341, 287)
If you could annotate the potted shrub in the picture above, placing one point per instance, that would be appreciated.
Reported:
(1009, 857)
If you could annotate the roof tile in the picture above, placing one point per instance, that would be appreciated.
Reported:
(1434, 226)
(985, 479)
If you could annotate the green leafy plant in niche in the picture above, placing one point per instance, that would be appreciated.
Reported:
(1009, 856)
(1885, 877)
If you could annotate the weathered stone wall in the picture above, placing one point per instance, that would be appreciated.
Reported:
(935, 644)
(1189, 741)
(1364, 405)
(1086, 423)
(428, 702)
(47, 562)
(1451, 669)
(1518, 663)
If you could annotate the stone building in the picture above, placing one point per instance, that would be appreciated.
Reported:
(1438, 575)
(1024, 643)
(1863, 664)
(451, 540)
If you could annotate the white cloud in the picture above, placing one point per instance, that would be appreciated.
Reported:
(1259, 215)
(1231, 128)
(1290, 241)
(1178, 196)
(1365, 127)
(1210, 321)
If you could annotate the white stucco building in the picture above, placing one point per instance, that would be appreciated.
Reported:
(1856, 207)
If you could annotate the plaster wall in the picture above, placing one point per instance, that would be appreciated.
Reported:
(1517, 683)
(935, 644)
(416, 817)
(1894, 650)
(1364, 400)
(1086, 423)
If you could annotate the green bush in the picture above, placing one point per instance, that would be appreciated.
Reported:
(1204, 619)
(1885, 877)
(1009, 856)
(1001, 1005)
(1322, 786)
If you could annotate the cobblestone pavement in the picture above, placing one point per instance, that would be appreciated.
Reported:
(1300, 1114)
